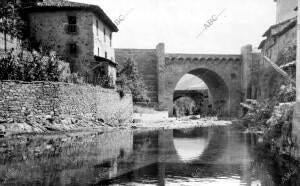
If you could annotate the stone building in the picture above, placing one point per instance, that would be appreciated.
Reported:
(81, 33)
(278, 38)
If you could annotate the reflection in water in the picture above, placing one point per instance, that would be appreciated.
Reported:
(190, 143)
(190, 149)
(201, 156)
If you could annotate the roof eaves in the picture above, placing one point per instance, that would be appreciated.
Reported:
(262, 43)
(74, 6)
(101, 59)
(267, 33)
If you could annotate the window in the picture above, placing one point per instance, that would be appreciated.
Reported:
(110, 39)
(104, 34)
(72, 21)
(105, 54)
(97, 27)
(73, 48)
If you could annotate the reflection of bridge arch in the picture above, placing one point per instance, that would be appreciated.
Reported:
(224, 154)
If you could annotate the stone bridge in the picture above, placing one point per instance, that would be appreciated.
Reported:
(200, 97)
(224, 75)
(196, 95)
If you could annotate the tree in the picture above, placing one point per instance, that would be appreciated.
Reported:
(129, 77)
(11, 22)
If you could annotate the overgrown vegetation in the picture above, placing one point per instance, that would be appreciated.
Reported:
(105, 81)
(288, 54)
(30, 66)
(11, 22)
(273, 117)
(184, 106)
(282, 90)
(129, 80)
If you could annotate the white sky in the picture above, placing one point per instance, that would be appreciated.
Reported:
(177, 23)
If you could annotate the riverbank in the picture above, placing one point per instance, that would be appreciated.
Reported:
(147, 120)
(160, 120)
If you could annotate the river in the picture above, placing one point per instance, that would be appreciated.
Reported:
(209, 156)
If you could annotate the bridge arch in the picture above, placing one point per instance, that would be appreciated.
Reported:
(221, 73)
(217, 87)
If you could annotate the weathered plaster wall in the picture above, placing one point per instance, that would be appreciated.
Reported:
(275, 44)
(146, 61)
(21, 99)
(263, 73)
(50, 28)
(101, 43)
(10, 42)
(285, 9)
(296, 122)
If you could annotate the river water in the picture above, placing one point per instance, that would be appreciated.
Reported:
(200, 156)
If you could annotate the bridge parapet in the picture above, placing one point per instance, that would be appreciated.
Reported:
(200, 58)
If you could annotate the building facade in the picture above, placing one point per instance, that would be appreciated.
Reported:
(280, 37)
(285, 10)
(81, 33)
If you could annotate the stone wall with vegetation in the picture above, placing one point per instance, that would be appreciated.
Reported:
(38, 103)
(145, 61)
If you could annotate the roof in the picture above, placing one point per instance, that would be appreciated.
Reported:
(102, 59)
(68, 5)
(262, 43)
(278, 30)
(284, 23)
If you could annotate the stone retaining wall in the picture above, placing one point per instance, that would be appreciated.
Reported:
(19, 100)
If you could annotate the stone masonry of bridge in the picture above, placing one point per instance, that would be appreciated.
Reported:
(225, 75)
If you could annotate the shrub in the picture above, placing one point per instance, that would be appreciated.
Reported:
(105, 81)
(258, 113)
(184, 106)
(286, 93)
(74, 78)
(287, 54)
(30, 66)
(130, 80)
